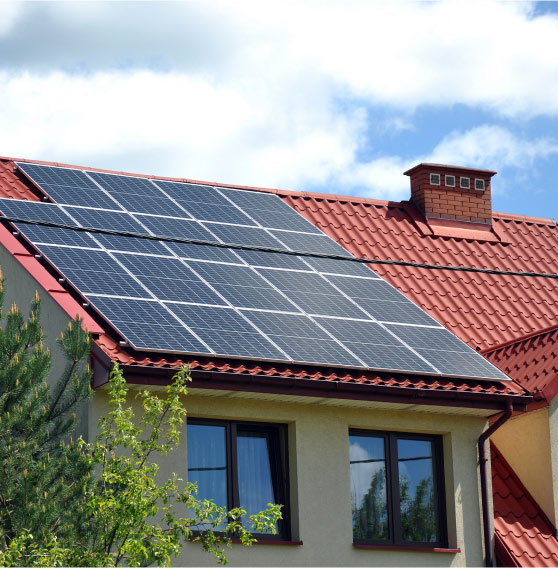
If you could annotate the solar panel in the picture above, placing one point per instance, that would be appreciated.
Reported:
(304, 242)
(169, 279)
(302, 339)
(226, 332)
(149, 325)
(44, 212)
(259, 206)
(125, 185)
(199, 299)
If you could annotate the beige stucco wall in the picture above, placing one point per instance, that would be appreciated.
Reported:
(320, 481)
(319, 461)
(525, 442)
(20, 288)
(553, 432)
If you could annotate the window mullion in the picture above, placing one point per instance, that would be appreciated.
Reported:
(232, 462)
(395, 504)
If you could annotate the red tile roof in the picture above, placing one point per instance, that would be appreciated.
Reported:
(376, 229)
(524, 535)
(484, 310)
(532, 361)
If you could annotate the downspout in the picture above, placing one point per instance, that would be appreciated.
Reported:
(489, 561)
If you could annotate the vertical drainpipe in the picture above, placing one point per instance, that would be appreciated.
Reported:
(489, 561)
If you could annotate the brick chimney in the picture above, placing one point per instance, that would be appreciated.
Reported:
(452, 192)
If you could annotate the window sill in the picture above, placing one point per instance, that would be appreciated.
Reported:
(407, 548)
(271, 541)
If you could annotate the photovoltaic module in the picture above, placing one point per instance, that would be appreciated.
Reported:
(197, 299)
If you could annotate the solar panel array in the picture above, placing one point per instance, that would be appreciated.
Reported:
(198, 299)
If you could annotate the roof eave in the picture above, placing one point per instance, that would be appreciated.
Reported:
(297, 386)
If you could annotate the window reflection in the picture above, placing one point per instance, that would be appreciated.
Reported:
(255, 483)
(207, 462)
(417, 490)
(368, 487)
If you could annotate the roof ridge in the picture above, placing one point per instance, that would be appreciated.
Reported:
(517, 340)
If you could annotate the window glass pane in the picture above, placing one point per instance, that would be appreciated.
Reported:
(417, 490)
(255, 484)
(207, 462)
(368, 487)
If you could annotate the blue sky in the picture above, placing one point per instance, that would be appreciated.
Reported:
(311, 95)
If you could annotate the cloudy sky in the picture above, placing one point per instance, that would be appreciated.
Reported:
(337, 96)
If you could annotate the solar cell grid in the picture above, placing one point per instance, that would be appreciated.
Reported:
(288, 325)
(181, 228)
(252, 236)
(153, 205)
(453, 363)
(330, 266)
(302, 281)
(390, 358)
(397, 312)
(250, 200)
(212, 212)
(256, 258)
(439, 338)
(310, 243)
(191, 192)
(325, 304)
(228, 274)
(127, 185)
(201, 252)
(226, 331)
(79, 196)
(359, 331)
(131, 244)
(51, 235)
(49, 175)
(176, 290)
(158, 327)
(325, 351)
(369, 289)
(281, 221)
(254, 297)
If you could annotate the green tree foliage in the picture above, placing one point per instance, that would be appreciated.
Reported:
(133, 519)
(42, 472)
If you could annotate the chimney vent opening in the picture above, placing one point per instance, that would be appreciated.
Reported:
(464, 182)
(479, 184)
(434, 179)
(450, 181)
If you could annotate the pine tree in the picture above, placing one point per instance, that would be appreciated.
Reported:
(42, 471)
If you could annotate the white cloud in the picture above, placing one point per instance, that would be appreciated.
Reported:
(272, 95)
(486, 146)
(497, 55)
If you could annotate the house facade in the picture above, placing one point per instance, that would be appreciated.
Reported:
(348, 451)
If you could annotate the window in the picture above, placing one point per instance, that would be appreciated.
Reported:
(450, 181)
(434, 179)
(464, 182)
(240, 464)
(397, 491)
(479, 184)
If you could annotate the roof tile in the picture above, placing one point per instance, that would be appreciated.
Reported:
(524, 535)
